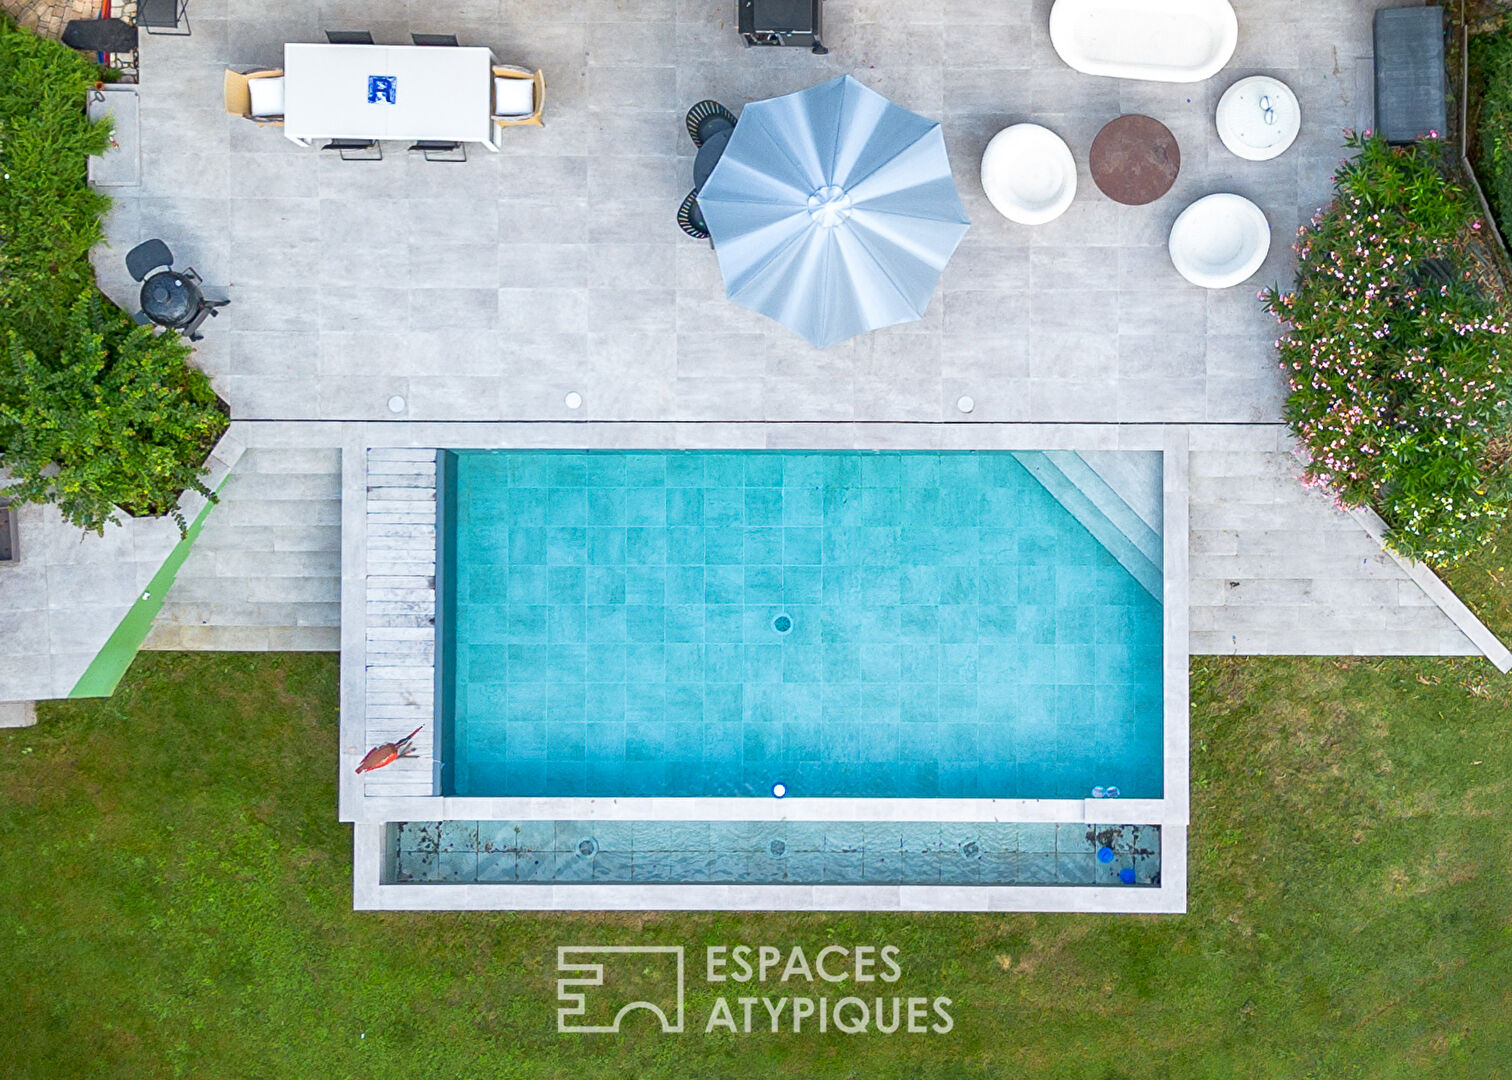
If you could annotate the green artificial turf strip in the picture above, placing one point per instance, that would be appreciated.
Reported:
(177, 897)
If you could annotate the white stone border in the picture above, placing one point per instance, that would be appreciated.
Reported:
(371, 813)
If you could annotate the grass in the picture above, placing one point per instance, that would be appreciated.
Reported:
(177, 893)
(1483, 580)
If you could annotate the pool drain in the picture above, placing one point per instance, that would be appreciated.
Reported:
(970, 849)
(777, 848)
(782, 623)
(587, 848)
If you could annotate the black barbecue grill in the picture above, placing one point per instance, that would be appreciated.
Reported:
(782, 22)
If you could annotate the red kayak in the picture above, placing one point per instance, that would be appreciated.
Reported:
(388, 753)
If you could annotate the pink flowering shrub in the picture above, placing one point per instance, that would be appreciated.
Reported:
(1397, 354)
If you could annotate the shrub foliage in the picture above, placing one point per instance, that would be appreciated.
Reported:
(106, 423)
(1491, 65)
(95, 412)
(1395, 349)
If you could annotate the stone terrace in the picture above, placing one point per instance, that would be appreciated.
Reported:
(488, 290)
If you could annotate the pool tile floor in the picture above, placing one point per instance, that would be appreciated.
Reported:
(842, 623)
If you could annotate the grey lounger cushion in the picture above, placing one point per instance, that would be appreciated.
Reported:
(1409, 73)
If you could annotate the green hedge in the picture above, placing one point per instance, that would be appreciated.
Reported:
(1396, 351)
(1491, 144)
(95, 412)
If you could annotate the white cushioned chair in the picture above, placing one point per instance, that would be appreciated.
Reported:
(1029, 174)
(257, 96)
(519, 96)
(1219, 241)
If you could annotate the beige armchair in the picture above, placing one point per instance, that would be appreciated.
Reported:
(511, 105)
(264, 105)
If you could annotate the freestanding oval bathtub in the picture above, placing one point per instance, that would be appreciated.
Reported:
(1161, 40)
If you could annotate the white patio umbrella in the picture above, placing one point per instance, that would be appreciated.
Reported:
(833, 211)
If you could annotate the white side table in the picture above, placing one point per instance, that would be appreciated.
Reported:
(1258, 118)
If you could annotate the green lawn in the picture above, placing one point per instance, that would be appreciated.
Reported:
(177, 901)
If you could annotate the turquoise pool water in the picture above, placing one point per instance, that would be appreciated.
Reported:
(843, 623)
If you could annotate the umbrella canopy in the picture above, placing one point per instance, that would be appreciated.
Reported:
(833, 211)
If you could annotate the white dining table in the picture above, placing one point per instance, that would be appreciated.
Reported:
(439, 93)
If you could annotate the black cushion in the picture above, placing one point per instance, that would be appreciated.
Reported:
(100, 35)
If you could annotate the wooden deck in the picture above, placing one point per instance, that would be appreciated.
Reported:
(401, 615)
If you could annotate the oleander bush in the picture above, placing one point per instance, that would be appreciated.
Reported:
(1396, 351)
(95, 412)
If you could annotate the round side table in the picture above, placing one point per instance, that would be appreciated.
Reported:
(1258, 118)
(1134, 159)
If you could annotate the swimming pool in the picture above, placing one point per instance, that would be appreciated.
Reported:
(847, 624)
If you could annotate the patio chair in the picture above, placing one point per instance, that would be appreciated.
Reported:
(146, 257)
(690, 218)
(1409, 74)
(1219, 241)
(441, 151)
(208, 309)
(100, 35)
(434, 39)
(519, 96)
(349, 37)
(164, 16)
(706, 118)
(256, 95)
(356, 149)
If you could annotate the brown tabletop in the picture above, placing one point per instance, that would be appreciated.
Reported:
(1134, 159)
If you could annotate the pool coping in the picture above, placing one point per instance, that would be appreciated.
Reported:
(370, 813)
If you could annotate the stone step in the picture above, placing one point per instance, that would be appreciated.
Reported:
(1145, 534)
(1108, 532)
(265, 572)
(1138, 478)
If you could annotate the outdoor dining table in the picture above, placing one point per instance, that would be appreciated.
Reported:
(389, 92)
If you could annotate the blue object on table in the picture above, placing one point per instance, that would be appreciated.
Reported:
(383, 89)
(1105, 854)
(833, 211)
(1126, 875)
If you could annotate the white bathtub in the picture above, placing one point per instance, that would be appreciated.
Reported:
(1162, 40)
